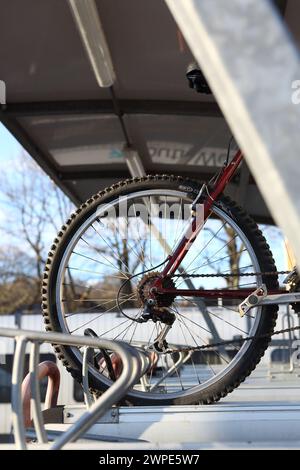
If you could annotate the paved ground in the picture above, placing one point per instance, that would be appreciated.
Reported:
(263, 413)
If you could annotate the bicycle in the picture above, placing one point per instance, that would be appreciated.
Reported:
(120, 263)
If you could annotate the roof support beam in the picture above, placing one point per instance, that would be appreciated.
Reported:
(134, 163)
(188, 108)
(250, 63)
(87, 20)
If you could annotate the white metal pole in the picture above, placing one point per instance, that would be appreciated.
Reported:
(251, 64)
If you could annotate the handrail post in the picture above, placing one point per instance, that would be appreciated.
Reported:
(88, 399)
(16, 393)
(35, 400)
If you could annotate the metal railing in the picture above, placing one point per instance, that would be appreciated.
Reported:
(135, 364)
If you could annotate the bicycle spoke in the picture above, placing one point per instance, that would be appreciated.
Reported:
(94, 319)
(227, 322)
(203, 341)
(113, 249)
(109, 246)
(207, 244)
(96, 261)
(94, 272)
(196, 344)
(93, 248)
(221, 319)
(180, 321)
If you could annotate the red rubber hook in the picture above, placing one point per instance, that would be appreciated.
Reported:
(45, 369)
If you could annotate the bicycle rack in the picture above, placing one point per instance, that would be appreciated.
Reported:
(185, 427)
(45, 369)
(135, 364)
(287, 321)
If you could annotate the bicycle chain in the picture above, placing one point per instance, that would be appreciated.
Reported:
(268, 273)
(233, 341)
(238, 340)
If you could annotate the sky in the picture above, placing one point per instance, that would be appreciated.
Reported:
(9, 149)
(9, 146)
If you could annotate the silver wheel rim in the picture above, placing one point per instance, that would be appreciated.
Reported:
(59, 287)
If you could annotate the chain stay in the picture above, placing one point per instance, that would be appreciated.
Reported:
(238, 340)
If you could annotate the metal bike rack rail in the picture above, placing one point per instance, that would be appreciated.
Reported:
(135, 364)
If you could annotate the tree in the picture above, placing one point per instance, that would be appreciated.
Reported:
(230, 258)
(16, 281)
(34, 208)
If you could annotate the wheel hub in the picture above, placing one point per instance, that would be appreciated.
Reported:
(144, 290)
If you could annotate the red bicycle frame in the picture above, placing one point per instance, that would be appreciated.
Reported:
(190, 236)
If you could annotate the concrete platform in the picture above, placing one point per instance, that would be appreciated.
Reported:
(262, 413)
(104, 447)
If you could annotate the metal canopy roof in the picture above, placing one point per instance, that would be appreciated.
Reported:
(72, 127)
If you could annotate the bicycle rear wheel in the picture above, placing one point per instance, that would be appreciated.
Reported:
(130, 228)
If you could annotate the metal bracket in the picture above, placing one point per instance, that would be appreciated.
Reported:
(253, 300)
(72, 413)
(260, 297)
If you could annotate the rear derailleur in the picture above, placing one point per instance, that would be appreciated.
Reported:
(162, 315)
